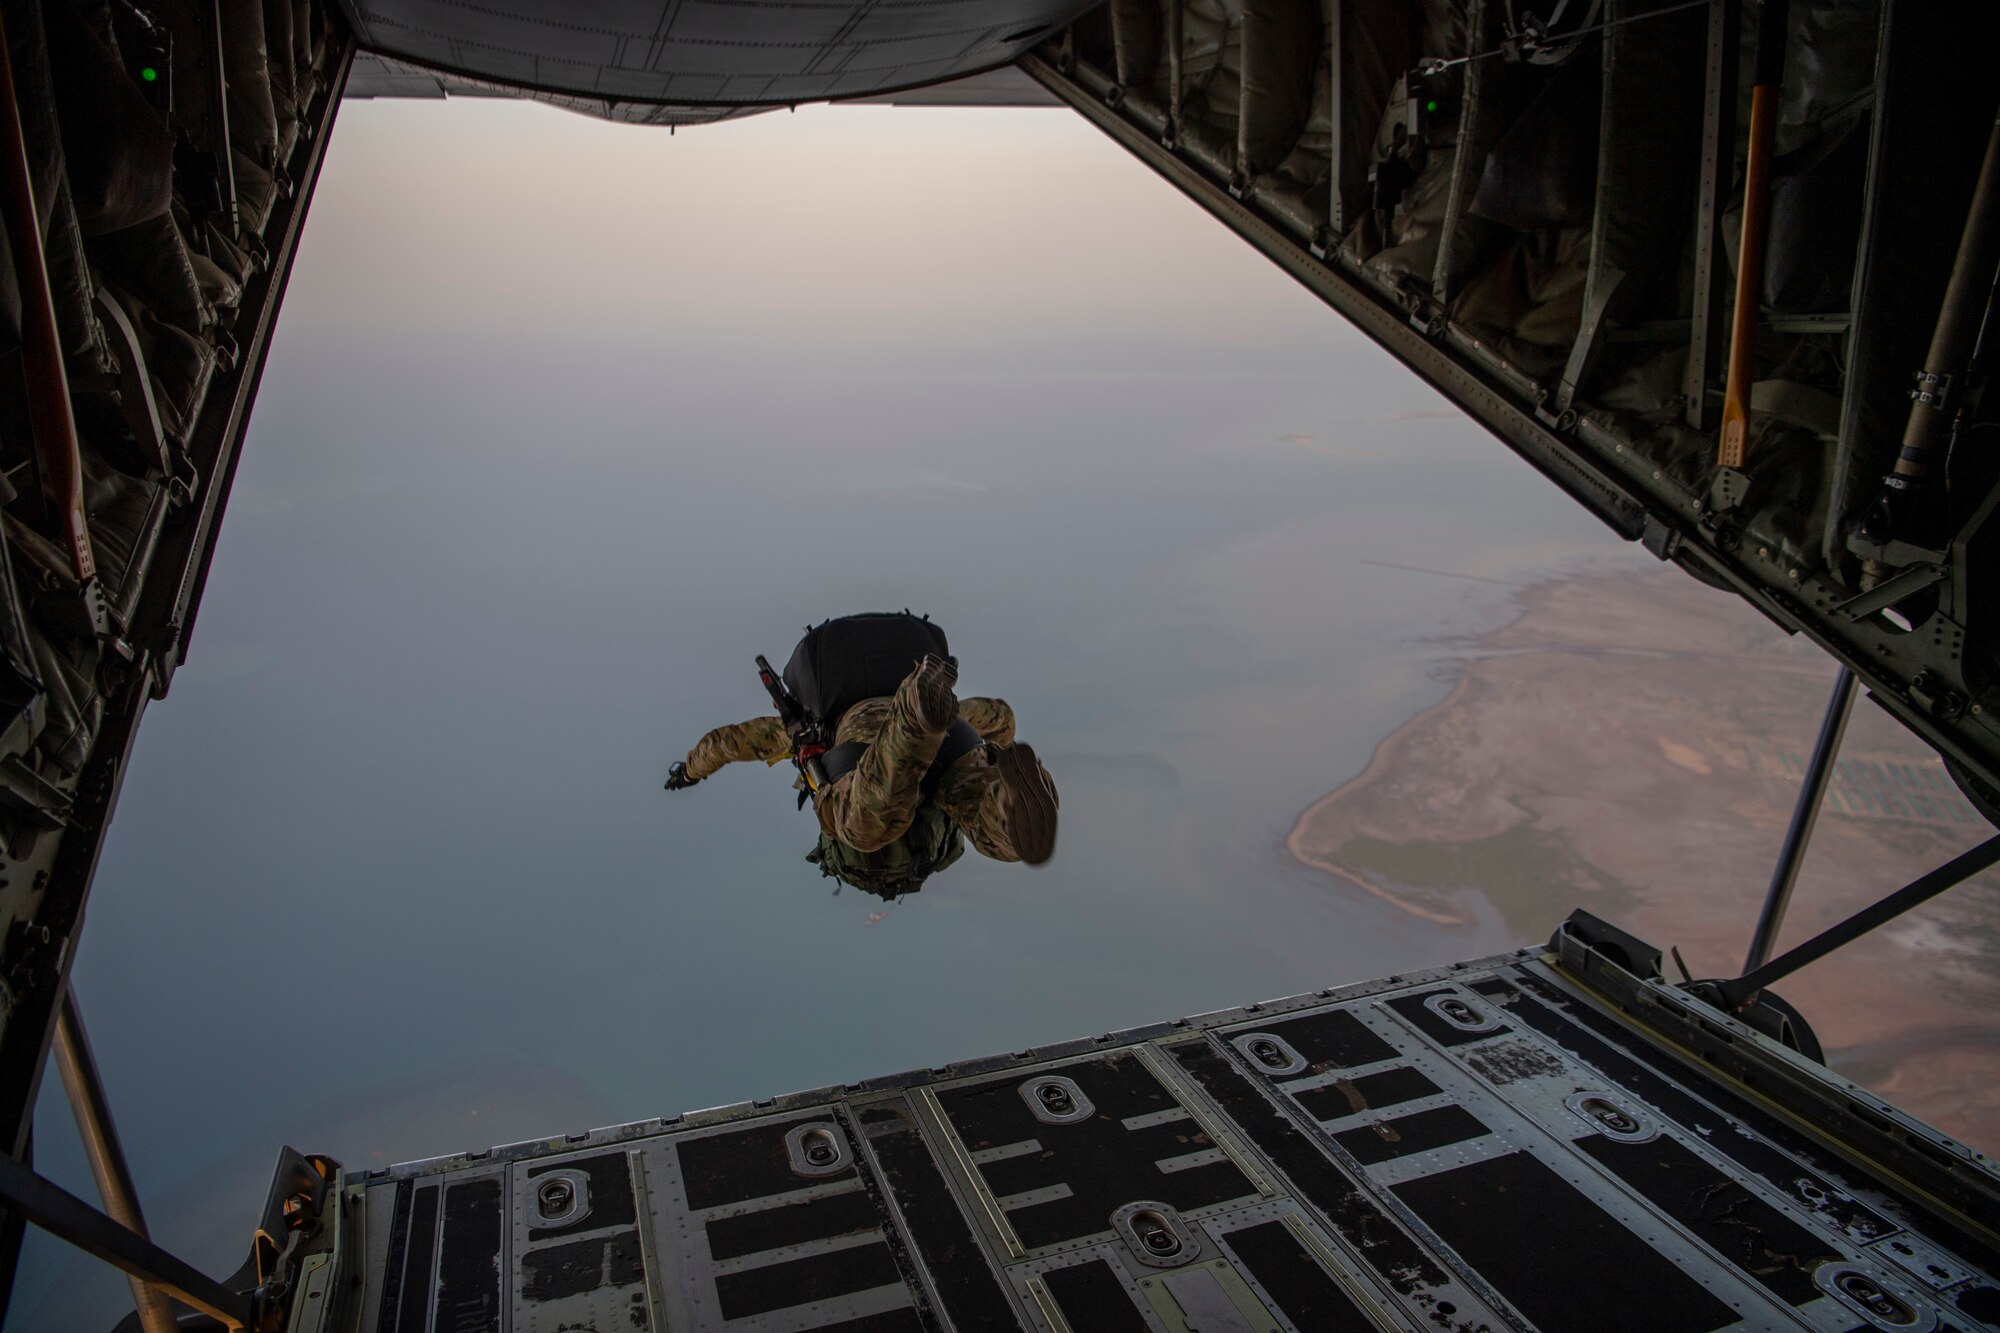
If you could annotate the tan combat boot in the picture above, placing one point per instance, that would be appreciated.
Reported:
(930, 689)
(1031, 803)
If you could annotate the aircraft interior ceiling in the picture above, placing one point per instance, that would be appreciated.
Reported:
(712, 54)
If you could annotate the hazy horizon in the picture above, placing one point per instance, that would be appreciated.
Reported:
(564, 422)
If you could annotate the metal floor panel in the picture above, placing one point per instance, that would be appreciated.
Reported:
(1484, 1147)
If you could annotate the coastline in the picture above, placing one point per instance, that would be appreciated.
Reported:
(1388, 752)
(1632, 743)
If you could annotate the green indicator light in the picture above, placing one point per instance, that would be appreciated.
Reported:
(149, 74)
(1428, 106)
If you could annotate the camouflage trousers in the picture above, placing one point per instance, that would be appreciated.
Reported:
(872, 806)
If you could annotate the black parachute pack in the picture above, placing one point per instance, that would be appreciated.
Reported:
(841, 662)
(838, 664)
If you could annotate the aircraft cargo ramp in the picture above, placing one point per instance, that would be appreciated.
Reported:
(1538, 1140)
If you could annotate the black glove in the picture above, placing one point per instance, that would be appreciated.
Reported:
(678, 779)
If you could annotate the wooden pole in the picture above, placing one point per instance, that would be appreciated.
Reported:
(1771, 33)
(56, 445)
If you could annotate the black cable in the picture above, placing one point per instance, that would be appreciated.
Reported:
(1434, 66)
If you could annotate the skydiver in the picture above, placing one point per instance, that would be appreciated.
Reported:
(911, 767)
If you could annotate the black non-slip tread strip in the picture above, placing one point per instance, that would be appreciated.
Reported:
(1320, 1181)
(414, 1314)
(1332, 1040)
(394, 1260)
(816, 1277)
(753, 1163)
(1621, 1057)
(1434, 1024)
(468, 1297)
(1091, 1297)
(1762, 1242)
(1304, 1291)
(775, 1228)
(905, 1320)
(1422, 1131)
(964, 1283)
(1350, 1097)
(571, 1268)
(992, 1113)
(1101, 1164)
(610, 1193)
(1981, 1302)
(1563, 1261)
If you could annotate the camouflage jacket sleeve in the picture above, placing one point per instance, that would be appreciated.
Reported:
(991, 718)
(760, 738)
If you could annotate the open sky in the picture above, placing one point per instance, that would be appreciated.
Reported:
(565, 422)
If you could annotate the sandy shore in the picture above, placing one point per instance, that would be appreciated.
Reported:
(1389, 754)
(1631, 743)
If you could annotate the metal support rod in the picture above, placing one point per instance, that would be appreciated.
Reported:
(216, 86)
(107, 1158)
(1718, 135)
(56, 447)
(1336, 210)
(68, 1218)
(1738, 993)
(1448, 271)
(1961, 317)
(1819, 773)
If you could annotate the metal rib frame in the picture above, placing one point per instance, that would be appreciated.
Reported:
(1907, 674)
(38, 957)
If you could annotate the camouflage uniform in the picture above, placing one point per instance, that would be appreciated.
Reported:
(871, 807)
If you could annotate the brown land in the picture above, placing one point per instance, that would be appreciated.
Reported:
(1630, 743)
